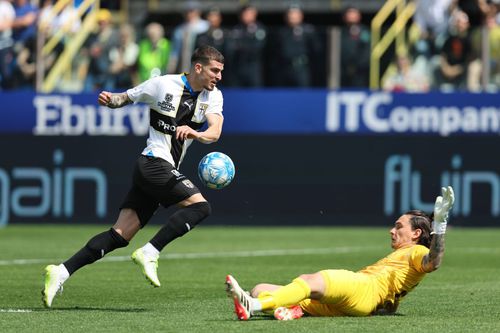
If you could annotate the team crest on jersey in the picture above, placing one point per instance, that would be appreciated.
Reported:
(166, 104)
(203, 107)
(188, 183)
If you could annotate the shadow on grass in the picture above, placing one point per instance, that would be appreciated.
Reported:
(92, 308)
(255, 317)
(389, 315)
(260, 317)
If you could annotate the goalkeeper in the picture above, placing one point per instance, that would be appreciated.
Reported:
(418, 244)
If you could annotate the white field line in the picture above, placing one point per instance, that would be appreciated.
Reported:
(249, 254)
(214, 255)
(14, 310)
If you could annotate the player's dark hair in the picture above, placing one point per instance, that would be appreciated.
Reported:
(421, 220)
(205, 53)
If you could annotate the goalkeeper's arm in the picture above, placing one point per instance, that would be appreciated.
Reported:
(388, 308)
(432, 261)
(442, 208)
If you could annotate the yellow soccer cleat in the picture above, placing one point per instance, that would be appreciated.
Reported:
(54, 279)
(149, 266)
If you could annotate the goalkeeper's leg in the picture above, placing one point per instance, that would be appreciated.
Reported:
(304, 287)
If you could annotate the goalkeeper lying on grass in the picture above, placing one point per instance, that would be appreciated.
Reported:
(418, 245)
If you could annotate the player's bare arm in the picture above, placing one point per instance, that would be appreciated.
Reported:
(112, 100)
(432, 261)
(210, 135)
(442, 207)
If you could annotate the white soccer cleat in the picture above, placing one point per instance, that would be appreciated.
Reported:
(242, 301)
(54, 279)
(291, 313)
(149, 265)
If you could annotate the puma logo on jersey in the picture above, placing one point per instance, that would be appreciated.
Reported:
(189, 104)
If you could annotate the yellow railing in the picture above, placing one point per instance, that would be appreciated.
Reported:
(397, 32)
(89, 8)
(44, 26)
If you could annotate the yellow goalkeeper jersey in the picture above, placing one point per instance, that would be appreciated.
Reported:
(398, 273)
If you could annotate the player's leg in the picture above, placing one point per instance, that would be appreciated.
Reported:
(135, 211)
(346, 293)
(263, 290)
(144, 206)
(326, 293)
(191, 212)
(128, 224)
(101, 244)
(244, 304)
(146, 257)
(97, 247)
(168, 186)
(304, 287)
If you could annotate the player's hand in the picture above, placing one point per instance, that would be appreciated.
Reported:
(185, 132)
(442, 207)
(104, 98)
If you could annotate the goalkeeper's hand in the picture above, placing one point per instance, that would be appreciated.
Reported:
(442, 207)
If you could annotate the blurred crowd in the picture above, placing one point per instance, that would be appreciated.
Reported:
(444, 52)
(446, 48)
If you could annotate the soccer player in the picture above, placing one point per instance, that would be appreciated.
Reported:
(179, 107)
(377, 289)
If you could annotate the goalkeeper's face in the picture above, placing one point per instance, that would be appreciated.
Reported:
(402, 233)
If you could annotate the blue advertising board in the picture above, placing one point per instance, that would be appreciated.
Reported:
(270, 111)
(303, 157)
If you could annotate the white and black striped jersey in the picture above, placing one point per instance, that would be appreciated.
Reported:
(173, 103)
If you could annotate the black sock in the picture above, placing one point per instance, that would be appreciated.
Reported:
(180, 223)
(95, 249)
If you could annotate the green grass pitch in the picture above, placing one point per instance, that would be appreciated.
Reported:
(112, 296)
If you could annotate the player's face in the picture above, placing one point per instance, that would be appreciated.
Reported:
(210, 74)
(402, 233)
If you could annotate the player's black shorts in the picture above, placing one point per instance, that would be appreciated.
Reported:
(156, 182)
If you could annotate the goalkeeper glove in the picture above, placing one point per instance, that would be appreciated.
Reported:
(442, 207)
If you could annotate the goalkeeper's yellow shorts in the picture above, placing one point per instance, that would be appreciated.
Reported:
(347, 294)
